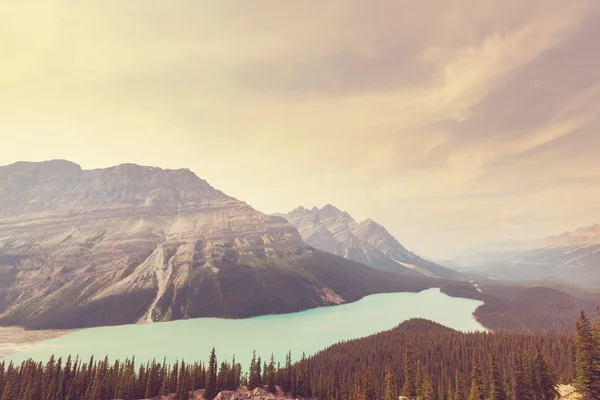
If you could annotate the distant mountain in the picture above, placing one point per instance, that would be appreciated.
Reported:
(139, 244)
(573, 256)
(336, 232)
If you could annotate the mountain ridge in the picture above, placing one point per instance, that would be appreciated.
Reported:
(132, 243)
(573, 256)
(335, 231)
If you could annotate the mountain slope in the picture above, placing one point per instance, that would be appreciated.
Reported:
(367, 242)
(573, 256)
(138, 244)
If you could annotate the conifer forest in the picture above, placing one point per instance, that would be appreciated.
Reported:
(418, 359)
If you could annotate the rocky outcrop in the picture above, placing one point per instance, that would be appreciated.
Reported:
(140, 244)
(256, 394)
(241, 394)
(334, 231)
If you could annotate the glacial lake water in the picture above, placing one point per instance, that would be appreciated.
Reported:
(308, 331)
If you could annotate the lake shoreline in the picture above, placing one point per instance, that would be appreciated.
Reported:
(307, 332)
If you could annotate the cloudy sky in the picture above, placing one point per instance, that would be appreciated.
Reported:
(449, 121)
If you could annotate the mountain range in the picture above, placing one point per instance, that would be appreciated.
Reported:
(573, 256)
(131, 244)
(334, 231)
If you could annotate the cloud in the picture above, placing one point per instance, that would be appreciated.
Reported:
(439, 118)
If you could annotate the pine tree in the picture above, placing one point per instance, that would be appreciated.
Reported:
(496, 381)
(477, 391)
(391, 389)
(409, 389)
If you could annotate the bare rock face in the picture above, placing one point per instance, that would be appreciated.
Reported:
(84, 237)
(334, 231)
(140, 244)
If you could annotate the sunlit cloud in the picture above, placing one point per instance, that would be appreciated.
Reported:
(449, 122)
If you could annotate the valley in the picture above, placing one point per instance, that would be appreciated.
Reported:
(131, 243)
(304, 332)
(159, 265)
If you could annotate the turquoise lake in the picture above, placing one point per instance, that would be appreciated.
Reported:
(307, 331)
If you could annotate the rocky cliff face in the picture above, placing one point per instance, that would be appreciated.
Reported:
(573, 256)
(334, 231)
(141, 244)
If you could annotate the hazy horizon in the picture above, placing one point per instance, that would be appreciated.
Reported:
(450, 123)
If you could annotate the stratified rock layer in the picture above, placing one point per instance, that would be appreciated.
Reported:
(140, 244)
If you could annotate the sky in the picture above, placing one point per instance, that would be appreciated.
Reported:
(451, 122)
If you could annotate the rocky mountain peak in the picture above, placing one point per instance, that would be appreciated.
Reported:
(329, 211)
(332, 230)
(62, 185)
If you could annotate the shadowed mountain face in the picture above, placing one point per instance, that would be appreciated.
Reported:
(572, 256)
(140, 244)
(367, 242)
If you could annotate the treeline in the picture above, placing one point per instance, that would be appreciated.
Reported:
(418, 359)
(515, 308)
(438, 363)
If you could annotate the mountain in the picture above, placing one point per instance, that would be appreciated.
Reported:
(139, 244)
(336, 232)
(572, 256)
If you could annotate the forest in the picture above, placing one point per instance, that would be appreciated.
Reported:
(418, 359)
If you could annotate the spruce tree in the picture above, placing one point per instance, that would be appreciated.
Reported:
(322, 388)
(252, 377)
(459, 393)
(211, 377)
(496, 380)
(547, 381)
(369, 386)
(271, 375)
(585, 368)
(390, 388)
(477, 391)
(259, 380)
(287, 379)
(517, 378)
(409, 389)
(428, 392)
(420, 380)
(596, 356)
(294, 384)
